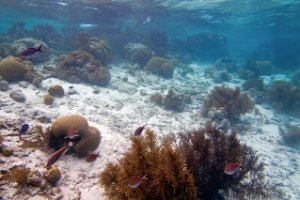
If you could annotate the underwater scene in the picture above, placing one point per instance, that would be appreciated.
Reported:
(149, 100)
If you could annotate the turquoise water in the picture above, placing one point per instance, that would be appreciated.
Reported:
(244, 25)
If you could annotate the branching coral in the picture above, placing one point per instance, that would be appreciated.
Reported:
(167, 176)
(232, 101)
(20, 175)
(284, 97)
(208, 150)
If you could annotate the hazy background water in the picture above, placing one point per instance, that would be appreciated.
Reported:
(245, 25)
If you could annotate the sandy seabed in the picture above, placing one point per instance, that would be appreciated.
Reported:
(117, 110)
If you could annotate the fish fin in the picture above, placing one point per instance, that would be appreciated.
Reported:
(40, 48)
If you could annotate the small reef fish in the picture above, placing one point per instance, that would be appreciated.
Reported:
(72, 134)
(58, 154)
(31, 51)
(231, 168)
(23, 130)
(136, 181)
(139, 130)
(92, 157)
(147, 20)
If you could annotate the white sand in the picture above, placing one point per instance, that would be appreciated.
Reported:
(122, 107)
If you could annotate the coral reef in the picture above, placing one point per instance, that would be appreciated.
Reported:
(183, 69)
(20, 175)
(282, 52)
(232, 101)
(260, 68)
(52, 175)
(256, 89)
(284, 97)
(12, 70)
(157, 98)
(218, 75)
(296, 77)
(256, 84)
(163, 165)
(176, 102)
(226, 63)
(89, 137)
(48, 99)
(98, 48)
(160, 66)
(172, 101)
(139, 53)
(2, 52)
(17, 31)
(80, 66)
(207, 151)
(22, 44)
(290, 134)
(56, 91)
(49, 35)
(202, 46)
(17, 95)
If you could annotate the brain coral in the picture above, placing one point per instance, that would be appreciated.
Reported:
(89, 136)
(160, 66)
(12, 70)
(99, 49)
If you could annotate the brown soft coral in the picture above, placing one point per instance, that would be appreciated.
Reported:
(89, 136)
(284, 97)
(160, 66)
(208, 150)
(163, 165)
(232, 101)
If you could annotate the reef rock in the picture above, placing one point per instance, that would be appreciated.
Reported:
(138, 53)
(48, 99)
(80, 66)
(176, 102)
(22, 44)
(99, 49)
(18, 96)
(12, 70)
(52, 175)
(3, 85)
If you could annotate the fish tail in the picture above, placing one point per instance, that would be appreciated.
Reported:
(56, 155)
(40, 48)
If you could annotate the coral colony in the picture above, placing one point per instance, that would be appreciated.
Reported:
(75, 99)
